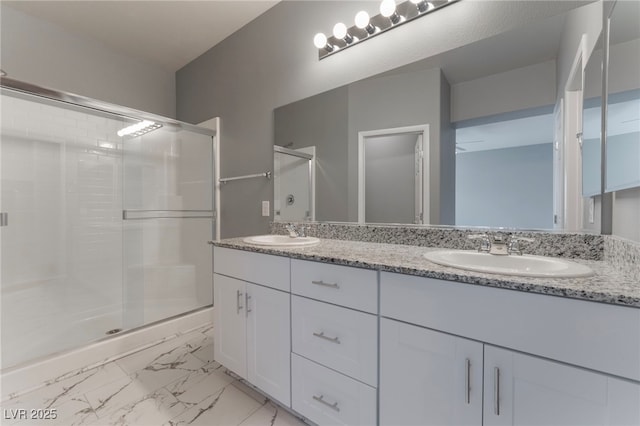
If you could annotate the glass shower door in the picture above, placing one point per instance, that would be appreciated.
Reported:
(168, 220)
(61, 239)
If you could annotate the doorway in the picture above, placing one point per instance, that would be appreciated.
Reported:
(392, 181)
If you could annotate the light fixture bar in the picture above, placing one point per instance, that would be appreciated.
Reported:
(139, 129)
(366, 27)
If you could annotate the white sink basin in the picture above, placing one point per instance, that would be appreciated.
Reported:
(281, 240)
(525, 266)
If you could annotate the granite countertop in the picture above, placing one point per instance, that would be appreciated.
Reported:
(607, 285)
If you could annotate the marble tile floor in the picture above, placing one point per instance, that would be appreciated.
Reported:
(174, 383)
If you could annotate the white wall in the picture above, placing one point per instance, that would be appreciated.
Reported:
(45, 54)
(272, 62)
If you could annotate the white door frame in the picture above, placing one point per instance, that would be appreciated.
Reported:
(419, 129)
(214, 124)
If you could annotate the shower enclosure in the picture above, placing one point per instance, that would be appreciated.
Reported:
(104, 225)
(294, 183)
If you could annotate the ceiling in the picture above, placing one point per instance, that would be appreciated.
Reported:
(168, 34)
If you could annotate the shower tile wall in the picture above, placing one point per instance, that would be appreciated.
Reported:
(61, 253)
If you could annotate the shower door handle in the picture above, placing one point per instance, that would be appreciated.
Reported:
(4, 219)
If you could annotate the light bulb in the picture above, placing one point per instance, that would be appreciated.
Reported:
(340, 30)
(387, 8)
(320, 40)
(362, 19)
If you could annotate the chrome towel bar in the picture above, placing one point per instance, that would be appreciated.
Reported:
(265, 174)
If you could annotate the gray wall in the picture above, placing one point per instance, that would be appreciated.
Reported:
(46, 55)
(320, 121)
(509, 187)
(390, 190)
(272, 62)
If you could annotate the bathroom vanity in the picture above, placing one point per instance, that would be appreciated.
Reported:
(349, 332)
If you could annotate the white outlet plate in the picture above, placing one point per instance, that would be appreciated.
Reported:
(265, 208)
(592, 210)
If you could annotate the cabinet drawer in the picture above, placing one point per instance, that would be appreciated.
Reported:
(329, 398)
(340, 338)
(593, 335)
(264, 269)
(342, 285)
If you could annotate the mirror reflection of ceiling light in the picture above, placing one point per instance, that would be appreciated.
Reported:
(139, 129)
(391, 15)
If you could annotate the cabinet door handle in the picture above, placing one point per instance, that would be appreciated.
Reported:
(246, 303)
(496, 391)
(238, 306)
(467, 380)
(331, 339)
(321, 400)
(322, 283)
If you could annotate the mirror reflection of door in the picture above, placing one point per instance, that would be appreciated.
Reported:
(393, 177)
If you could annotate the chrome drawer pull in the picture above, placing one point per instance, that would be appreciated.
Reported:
(331, 339)
(467, 380)
(238, 306)
(322, 283)
(496, 391)
(321, 400)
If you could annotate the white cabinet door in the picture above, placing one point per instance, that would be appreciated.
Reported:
(230, 348)
(269, 341)
(526, 390)
(428, 378)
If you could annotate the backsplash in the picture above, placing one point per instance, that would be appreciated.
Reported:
(569, 245)
(624, 255)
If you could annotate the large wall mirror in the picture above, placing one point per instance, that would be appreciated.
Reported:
(486, 158)
(623, 105)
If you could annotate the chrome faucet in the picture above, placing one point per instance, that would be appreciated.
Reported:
(514, 244)
(295, 232)
(499, 244)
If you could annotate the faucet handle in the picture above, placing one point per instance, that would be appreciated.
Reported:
(514, 244)
(485, 243)
(293, 231)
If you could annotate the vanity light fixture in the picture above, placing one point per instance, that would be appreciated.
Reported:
(422, 5)
(320, 41)
(391, 15)
(363, 22)
(139, 129)
(340, 31)
(388, 10)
